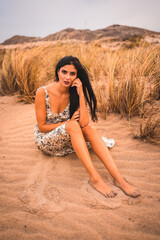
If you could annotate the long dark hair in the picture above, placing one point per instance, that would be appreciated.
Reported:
(87, 88)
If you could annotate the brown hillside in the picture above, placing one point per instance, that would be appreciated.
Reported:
(20, 39)
(115, 32)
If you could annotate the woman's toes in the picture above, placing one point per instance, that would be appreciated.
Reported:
(115, 193)
(136, 193)
(102, 188)
(128, 189)
(111, 194)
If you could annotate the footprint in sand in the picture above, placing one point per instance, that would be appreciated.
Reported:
(94, 199)
(40, 197)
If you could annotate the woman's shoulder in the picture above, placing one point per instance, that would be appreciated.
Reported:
(43, 88)
(40, 96)
(49, 88)
(40, 93)
(40, 90)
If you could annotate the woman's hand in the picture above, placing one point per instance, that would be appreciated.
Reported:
(76, 116)
(78, 84)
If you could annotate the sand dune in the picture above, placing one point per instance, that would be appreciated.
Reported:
(47, 198)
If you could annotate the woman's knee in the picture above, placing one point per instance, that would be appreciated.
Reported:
(88, 129)
(72, 126)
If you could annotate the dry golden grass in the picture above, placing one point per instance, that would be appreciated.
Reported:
(125, 80)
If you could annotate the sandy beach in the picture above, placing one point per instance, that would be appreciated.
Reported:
(49, 198)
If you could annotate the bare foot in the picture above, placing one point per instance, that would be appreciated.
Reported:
(100, 186)
(128, 189)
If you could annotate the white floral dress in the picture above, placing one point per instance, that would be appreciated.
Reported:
(57, 142)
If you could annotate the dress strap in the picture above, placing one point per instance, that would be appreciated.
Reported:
(47, 97)
(45, 89)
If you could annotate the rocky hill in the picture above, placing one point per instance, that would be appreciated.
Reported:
(115, 32)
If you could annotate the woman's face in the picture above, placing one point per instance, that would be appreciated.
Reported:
(67, 74)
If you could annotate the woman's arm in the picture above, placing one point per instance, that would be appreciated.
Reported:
(84, 117)
(40, 108)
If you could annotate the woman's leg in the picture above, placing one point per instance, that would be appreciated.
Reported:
(100, 149)
(80, 147)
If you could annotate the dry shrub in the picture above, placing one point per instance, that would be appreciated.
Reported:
(2, 53)
(26, 69)
(149, 127)
(8, 78)
(130, 77)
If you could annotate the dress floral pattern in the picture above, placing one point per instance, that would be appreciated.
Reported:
(57, 142)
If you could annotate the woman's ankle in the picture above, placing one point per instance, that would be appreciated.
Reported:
(95, 178)
(122, 182)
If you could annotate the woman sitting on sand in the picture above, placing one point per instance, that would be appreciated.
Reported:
(63, 124)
